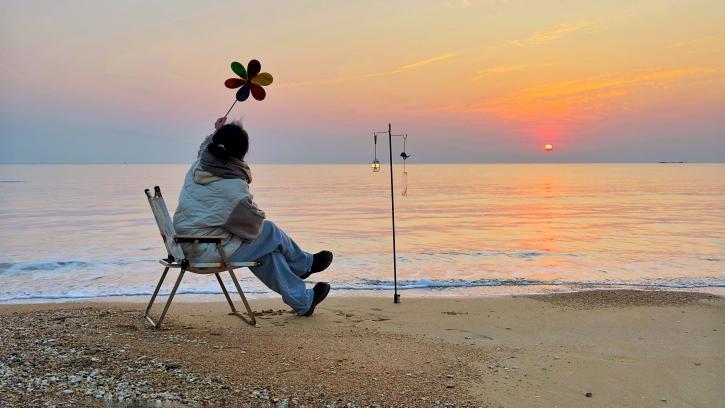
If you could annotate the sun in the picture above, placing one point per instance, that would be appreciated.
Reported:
(548, 147)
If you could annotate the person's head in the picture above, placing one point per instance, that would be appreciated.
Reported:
(230, 140)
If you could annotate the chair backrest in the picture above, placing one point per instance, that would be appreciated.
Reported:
(166, 227)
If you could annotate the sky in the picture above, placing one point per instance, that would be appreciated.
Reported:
(467, 80)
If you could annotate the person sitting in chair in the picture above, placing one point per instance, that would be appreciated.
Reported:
(215, 200)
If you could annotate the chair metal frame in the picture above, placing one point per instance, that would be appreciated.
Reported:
(177, 260)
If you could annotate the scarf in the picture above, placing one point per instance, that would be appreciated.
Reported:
(230, 168)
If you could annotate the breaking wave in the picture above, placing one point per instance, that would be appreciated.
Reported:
(388, 285)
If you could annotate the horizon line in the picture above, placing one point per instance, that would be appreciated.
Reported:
(361, 163)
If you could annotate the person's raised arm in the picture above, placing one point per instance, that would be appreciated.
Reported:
(217, 125)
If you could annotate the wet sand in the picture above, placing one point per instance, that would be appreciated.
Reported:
(598, 348)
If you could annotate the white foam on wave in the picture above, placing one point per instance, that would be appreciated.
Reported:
(16, 267)
(388, 285)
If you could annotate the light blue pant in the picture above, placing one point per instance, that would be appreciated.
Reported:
(282, 264)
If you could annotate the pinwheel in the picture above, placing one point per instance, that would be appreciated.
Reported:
(250, 80)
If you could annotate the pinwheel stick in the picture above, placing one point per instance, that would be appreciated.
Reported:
(230, 108)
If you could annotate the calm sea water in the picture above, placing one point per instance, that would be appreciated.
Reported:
(80, 231)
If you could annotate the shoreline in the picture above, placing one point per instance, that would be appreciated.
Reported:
(625, 347)
(432, 292)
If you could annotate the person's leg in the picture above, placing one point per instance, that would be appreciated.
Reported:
(276, 274)
(271, 239)
(298, 260)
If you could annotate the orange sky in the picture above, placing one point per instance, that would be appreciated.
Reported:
(468, 80)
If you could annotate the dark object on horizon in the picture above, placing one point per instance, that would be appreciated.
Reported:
(672, 162)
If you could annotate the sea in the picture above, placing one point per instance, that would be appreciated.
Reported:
(72, 232)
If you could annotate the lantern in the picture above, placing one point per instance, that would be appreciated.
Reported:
(375, 165)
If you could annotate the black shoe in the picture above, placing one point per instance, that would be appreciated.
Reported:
(321, 290)
(320, 262)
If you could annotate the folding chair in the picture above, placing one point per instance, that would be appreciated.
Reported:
(177, 260)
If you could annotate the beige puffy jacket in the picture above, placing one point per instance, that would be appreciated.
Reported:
(211, 205)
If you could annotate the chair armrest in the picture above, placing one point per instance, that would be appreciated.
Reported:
(200, 239)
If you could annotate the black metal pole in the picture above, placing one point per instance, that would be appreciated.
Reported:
(396, 296)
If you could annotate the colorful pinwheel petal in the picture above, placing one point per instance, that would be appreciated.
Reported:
(253, 68)
(243, 93)
(234, 83)
(239, 70)
(263, 79)
(249, 81)
(257, 91)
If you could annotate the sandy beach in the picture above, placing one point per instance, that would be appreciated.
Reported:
(543, 182)
(599, 348)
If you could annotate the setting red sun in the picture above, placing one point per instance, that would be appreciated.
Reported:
(548, 148)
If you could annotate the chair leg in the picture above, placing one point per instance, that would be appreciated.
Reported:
(157, 324)
(153, 297)
(252, 320)
(226, 294)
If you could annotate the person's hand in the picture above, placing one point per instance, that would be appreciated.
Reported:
(220, 122)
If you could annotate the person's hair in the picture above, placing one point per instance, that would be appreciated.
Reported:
(230, 140)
